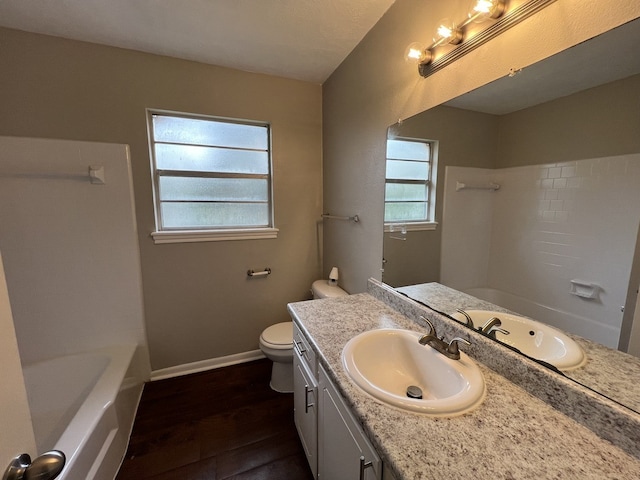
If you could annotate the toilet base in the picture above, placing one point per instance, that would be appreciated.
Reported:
(282, 377)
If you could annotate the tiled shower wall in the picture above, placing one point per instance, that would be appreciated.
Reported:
(546, 226)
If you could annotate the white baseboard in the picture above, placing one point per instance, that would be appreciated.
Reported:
(208, 364)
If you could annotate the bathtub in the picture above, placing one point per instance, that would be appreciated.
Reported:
(84, 405)
(569, 322)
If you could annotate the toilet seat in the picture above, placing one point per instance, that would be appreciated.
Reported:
(278, 336)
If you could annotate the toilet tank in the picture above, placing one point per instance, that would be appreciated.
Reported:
(324, 289)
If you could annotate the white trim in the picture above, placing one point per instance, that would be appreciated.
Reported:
(188, 236)
(410, 226)
(204, 365)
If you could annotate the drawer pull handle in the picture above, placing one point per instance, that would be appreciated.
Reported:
(307, 405)
(298, 348)
(363, 466)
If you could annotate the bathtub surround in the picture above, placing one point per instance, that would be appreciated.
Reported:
(70, 247)
(534, 439)
(16, 418)
(73, 274)
(548, 225)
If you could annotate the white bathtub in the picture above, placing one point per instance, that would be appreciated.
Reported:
(84, 405)
(569, 322)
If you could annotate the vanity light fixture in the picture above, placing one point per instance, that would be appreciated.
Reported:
(449, 33)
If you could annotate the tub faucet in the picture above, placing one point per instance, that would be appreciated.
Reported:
(492, 326)
(449, 350)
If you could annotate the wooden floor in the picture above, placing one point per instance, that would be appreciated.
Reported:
(217, 425)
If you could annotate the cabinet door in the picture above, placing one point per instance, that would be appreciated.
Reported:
(305, 392)
(344, 451)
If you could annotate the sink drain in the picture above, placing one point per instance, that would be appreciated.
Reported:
(414, 392)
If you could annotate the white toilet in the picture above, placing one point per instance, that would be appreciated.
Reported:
(276, 341)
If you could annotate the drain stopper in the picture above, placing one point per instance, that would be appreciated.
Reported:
(414, 392)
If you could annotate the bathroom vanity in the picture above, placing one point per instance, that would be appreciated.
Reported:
(512, 434)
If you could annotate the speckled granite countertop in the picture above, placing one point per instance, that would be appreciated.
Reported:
(512, 435)
(607, 371)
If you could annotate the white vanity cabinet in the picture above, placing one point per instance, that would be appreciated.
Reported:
(344, 451)
(305, 398)
(335, 445)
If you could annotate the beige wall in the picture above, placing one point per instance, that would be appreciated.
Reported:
(199, 303)
(598, 122)
(374, 87)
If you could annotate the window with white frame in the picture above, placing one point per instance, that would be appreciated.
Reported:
(211, 177)
(410, 182)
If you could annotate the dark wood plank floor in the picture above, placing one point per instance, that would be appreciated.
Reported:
(217, 425)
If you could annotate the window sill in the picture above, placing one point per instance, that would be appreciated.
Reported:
(410, 226)
(191, 236)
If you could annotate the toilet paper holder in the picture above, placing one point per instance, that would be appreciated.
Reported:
(263, 273)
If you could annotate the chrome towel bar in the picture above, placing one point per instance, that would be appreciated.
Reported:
(355, 218)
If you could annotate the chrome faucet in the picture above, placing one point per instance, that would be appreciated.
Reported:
(492, 326)
(449, 350)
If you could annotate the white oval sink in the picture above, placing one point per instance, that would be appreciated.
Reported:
(385, 362)
(535, 339)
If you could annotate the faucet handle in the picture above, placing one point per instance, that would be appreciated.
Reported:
(467, 318)
(432, 329)
(496, 328)
(453, 349)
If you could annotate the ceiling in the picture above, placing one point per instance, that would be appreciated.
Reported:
(299, 39)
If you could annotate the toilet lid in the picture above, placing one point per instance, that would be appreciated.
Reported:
(280, 334)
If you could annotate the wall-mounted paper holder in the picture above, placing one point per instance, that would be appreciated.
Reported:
(584, 289)
(263, 273)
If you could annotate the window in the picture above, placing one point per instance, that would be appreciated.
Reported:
(211, 178)
(410, 181)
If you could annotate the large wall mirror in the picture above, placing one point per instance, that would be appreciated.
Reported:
(561, 234)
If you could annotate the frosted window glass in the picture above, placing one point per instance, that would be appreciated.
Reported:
(211, 159)
(407, 170)
(209, 132)
(207, 215)
(408, 150)
(214, 189)
(210, 173)
(405, 211)
(404, 191)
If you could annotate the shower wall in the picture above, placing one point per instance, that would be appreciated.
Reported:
(69, 247)
(546, 226)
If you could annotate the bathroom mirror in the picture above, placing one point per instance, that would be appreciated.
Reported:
(561, 140)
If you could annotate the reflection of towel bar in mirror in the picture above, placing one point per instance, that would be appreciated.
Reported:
(398, 232)
(354, 218)
(477, 186)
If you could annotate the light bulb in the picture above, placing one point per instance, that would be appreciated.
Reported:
(417, 53)
(447, 32)
(481, 10)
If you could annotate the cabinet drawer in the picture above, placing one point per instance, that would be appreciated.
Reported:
(302, 347)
